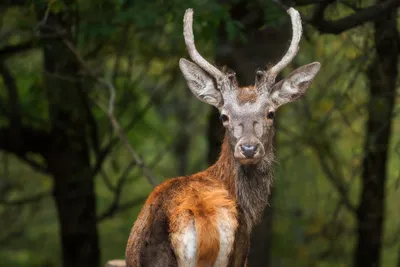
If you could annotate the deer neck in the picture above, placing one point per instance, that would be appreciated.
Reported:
(248, 184)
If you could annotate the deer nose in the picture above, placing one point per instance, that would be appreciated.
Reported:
(249, 150)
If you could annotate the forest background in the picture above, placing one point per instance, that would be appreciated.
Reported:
(94, 112)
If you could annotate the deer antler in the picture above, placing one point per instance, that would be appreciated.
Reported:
(293, 48)
(194, 55)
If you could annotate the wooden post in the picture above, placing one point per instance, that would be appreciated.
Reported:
(116, 263)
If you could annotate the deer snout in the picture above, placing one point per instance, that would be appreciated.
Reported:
(249, 150)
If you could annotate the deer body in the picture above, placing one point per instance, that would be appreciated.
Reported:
(200, 211)
(206, 219)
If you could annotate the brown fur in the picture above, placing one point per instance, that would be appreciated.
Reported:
(195, 198)
(148, 243)
(247, 95)
(201, 200)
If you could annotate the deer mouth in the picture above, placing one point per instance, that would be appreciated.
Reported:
(247, 161)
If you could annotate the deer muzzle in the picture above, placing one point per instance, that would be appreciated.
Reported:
(249, 151)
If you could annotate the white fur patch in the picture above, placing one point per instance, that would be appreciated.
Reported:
(184, 242)
(226, 228)
(185, 246)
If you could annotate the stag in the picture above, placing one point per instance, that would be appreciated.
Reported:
(206, 219)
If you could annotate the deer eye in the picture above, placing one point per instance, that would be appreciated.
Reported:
(224, 118)
(259, 74)
(231, 74)
(271, 115)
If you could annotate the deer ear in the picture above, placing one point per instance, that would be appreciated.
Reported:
(295, 85)
(200, 83)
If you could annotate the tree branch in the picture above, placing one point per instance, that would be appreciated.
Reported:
(10, 236)
(109, 110)
(32, 140)
(335, 177)
(93, 127)
(354, 20)
(34, 164)
(9, 3)
(13, 99)
(114, 209)
(309, 2)
(11, 50)
(25, 200)
(28, 140)
(101, 156)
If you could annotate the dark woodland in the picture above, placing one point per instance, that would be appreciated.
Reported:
(95, 112)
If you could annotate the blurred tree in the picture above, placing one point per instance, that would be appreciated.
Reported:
(382, 76)
(62, 134)
(63, 144)
(398, 260)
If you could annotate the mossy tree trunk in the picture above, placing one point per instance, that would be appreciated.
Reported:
(382, 76)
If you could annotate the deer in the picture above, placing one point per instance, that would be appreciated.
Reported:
(206, 219)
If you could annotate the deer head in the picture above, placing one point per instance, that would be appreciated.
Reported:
(248, 112)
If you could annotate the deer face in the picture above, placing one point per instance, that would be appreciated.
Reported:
(247, 113)
(248, 119)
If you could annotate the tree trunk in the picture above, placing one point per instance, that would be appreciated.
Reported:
(398, 259)
(382, 77)
(182, 140)
(215, 135)
(68, 157)
(261, 240)
(75, 201)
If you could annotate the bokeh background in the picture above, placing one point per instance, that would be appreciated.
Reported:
(94, 111)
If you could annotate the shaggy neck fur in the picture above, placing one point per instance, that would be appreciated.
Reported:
(248, 184)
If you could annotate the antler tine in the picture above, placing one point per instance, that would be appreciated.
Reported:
(294, 45)
(194, 55)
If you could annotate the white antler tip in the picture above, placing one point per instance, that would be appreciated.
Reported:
(291, 10)
(189, 12)
(293, 13)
